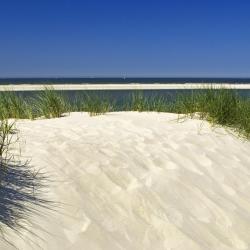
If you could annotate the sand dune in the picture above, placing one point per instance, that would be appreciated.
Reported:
(138, 181)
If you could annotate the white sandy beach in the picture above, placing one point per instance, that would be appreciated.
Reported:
(117, 86)
(135, 181)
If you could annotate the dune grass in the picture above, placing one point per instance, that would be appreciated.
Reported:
(22, 188)
(7, 129)
(219, 106)
(95, 104)
(50, 104)
(13, 106)
(138, 101)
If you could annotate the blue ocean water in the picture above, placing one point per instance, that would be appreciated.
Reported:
(124, 80)
(119, 95)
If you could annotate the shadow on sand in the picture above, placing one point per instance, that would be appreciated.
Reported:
(21, 192)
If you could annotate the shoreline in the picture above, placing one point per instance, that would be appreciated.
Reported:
(133, 86)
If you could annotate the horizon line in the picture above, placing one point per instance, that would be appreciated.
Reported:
(123, 77)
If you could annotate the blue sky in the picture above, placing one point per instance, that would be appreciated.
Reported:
(125, 37)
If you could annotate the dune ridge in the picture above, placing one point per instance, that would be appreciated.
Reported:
(130, 180)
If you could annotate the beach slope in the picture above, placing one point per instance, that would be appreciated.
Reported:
(134, 181)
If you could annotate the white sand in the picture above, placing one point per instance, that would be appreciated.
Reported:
(139, 181)
(131, 86)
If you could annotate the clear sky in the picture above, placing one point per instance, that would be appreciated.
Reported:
(125, 37)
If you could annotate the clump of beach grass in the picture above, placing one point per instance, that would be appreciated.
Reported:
(158, 103)
(137, 102)
(96, 105)
(22, 188)
(7, 129)
(7, 132)
(14, 106)
(218, 106)
(140, 102)
(50, 104)
(243, 117)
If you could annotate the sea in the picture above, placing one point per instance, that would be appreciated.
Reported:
(121, 94)
(125, 80)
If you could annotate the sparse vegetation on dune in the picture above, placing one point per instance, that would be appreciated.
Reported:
(138, 101)
(50, 104)
(14, 106)
(219, 106)
(7, 129)
(96, 105)
(21, 187)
